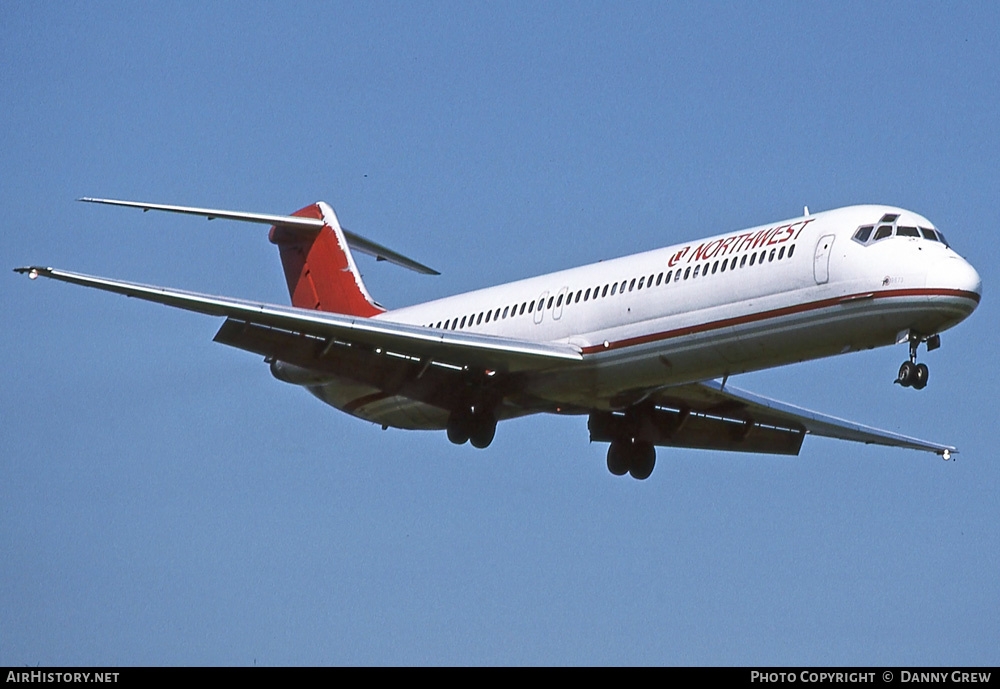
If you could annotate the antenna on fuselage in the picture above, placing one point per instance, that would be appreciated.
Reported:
(805, 211)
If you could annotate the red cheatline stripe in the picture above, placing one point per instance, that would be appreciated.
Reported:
(776, 313)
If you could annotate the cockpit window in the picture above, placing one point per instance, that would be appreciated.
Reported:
(887, 227)
(883, 232)
(933, 235)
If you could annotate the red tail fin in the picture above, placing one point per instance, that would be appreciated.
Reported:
(319, 268)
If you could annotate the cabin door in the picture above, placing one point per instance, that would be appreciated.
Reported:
(821, 259)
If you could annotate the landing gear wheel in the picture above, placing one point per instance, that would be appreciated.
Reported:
(458, 429)
(631, 457)
(907, 374)
(643, 460)
(618, 458)
(920, 377)
(482, 431)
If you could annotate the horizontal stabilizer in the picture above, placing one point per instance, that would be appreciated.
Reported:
(355, 241)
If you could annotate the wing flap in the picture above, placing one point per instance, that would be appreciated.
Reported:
(669, 427)
(428, 344)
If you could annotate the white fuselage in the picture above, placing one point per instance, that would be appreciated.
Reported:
(770, 295)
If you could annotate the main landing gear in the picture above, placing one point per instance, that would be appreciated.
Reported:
(477, 425)
(631, 456)
(912, 374)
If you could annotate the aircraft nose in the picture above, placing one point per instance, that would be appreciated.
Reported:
(955, 273)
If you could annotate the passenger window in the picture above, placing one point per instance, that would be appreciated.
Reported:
(559, 300)
(791, 250)
(479, 318)
(631, 285)
(531, 306)
(715, 267)
(521, 312)
(883, 231)
(488, 313)
(659, 279)
(604, 293)
(640, 282)
(668, 276)
(781, 253)
(505, 310)
(687, 272)
(753, 258)
(551, 299)
(586, 295)
(621, 287)
(743, 261)
(579, 293)
(696, 269)
(770, 257)
(463, 322)
(614, 288)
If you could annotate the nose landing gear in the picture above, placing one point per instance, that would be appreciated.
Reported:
(912, 374)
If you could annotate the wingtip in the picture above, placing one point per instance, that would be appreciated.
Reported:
(32, 271)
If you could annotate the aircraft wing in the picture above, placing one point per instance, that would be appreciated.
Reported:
(409, 341)
(713, 415)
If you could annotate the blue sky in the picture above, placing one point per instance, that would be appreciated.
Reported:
(163, 500)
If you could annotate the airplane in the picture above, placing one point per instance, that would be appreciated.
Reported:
(643, 345)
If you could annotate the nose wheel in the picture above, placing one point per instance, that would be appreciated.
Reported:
(911, 374)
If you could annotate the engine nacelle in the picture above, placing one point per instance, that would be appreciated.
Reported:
(296, 375)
